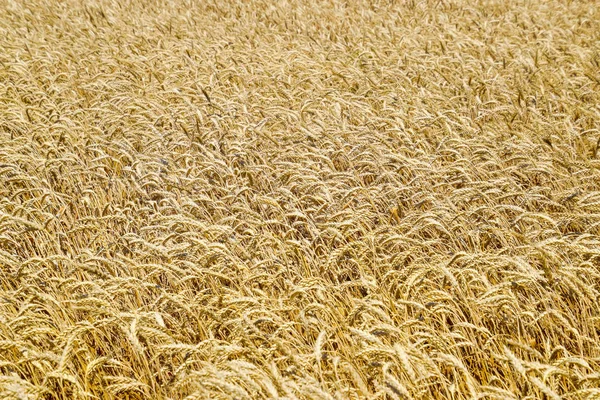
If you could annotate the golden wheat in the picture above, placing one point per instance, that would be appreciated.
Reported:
(302, 200)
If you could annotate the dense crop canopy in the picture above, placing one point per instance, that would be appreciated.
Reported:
(299, 199)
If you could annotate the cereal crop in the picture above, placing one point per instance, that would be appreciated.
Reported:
(296, 199)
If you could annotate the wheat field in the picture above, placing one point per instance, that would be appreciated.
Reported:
(299, 200)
